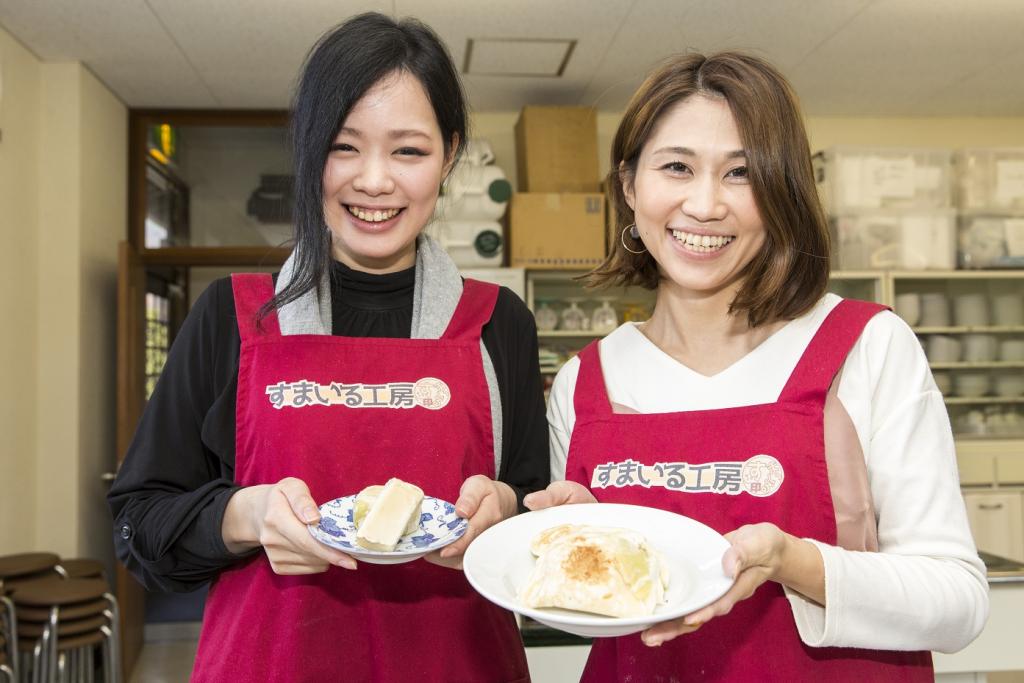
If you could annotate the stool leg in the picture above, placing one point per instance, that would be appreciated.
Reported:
(37, 661)
(12, 633)
(90, 670)
(114, 615)
(51, 666)
(108, 657)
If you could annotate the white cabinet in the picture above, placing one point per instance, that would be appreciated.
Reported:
(997, 521)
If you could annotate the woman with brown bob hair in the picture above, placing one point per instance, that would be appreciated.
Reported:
(805, 427)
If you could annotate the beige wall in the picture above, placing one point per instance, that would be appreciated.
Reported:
(822, 131)
(57, 284)
(826, 131)
(21, 78)
(63, 210)
(102, 223)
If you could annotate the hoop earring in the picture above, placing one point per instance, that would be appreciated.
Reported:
(635, 234)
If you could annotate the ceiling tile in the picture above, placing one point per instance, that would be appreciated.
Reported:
(845, 57)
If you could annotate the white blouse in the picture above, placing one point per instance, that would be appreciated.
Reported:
(926, 588)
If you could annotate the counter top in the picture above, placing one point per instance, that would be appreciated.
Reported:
(1002, 569)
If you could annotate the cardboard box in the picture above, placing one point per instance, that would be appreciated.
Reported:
(556, 231)
(556, 149)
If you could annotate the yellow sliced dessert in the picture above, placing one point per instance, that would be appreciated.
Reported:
(396, 509)
(365, 500)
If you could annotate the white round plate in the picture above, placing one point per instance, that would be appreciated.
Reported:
(439, 526)
(499, 561)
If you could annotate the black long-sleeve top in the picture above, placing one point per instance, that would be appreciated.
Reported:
(169, 497)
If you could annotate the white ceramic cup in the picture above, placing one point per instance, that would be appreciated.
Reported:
(934, 309)
(1010, 385)
(1011, 349)
(972, 422)
(979, 348)
(944, 382)
(908, 307)
(971, 384)
(943, 348)
(971, 309)
(1008, 309)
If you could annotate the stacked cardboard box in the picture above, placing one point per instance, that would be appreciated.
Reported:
(557, 218)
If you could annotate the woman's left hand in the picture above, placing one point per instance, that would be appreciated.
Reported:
(484, 502)
(756, 554)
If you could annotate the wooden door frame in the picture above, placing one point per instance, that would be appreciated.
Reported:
(134, 261)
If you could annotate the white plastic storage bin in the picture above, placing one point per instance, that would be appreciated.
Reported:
(863, 178)
(990, 179)
(907, 240)
(991, 241)
(472, 243)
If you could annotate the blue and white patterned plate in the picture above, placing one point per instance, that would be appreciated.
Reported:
(439, 526)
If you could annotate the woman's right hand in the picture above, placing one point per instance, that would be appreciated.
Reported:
(275, 516)
(559, 493)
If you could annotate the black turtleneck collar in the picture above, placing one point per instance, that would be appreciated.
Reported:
(371, 291)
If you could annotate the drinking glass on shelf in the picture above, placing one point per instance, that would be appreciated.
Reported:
(545, 317)
(573, 316)
(635, 312)
(604, 319)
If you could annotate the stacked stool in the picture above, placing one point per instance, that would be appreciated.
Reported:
(56, 616)
(17, 570)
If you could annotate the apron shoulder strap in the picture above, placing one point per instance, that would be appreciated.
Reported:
(473, 310)
(251, 291)
(590, 397)
(824, 356)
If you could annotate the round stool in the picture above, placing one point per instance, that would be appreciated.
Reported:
(83, 609)
(24, 564)
(30, 630)
(80, 568)
(60, 621)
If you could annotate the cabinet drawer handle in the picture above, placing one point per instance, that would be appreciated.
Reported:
(990, 506)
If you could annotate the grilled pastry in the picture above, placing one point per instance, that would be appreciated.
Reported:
(603, 570)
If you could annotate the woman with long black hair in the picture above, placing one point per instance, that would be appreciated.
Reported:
(221, 481)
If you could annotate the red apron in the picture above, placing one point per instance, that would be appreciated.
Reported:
(727, 468)
(343, 413)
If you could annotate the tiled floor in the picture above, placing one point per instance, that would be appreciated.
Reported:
(165, 662)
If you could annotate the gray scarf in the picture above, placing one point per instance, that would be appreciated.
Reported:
(435, 295)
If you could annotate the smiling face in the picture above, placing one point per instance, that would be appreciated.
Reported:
(382, 176)
(692, 200)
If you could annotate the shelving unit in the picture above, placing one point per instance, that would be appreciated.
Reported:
(991, 465)
(880, 286)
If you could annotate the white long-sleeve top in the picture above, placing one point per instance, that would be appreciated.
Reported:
(925, 589)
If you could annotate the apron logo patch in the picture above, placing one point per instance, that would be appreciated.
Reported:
(427, 392)
(760, 476)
